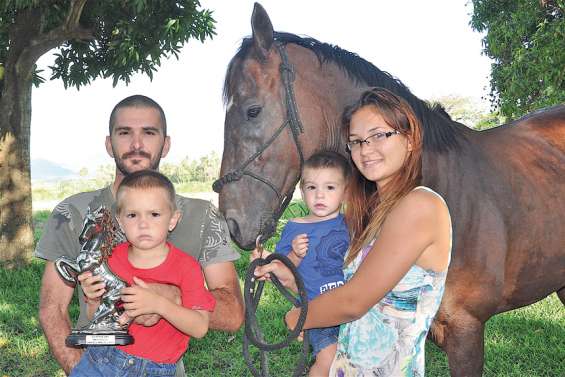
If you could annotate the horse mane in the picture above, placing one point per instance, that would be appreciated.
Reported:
(440, 131)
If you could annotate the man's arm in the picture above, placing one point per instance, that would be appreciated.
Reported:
(54, 317)
(223, 283)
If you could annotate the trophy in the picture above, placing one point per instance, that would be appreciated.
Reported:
(96, 241)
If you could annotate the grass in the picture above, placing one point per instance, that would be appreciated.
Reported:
(525, 342)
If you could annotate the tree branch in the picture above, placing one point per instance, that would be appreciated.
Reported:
(69, 30)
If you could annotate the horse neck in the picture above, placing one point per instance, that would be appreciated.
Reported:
(333, 88)
(329, 87)
(449, 170)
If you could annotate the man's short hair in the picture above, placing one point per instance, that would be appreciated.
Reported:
(138, 100)
(146, 179)
(329, 159)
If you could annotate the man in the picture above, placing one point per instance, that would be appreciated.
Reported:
(137, 140)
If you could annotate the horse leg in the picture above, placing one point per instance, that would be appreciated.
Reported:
(464, 345)
(561, 295)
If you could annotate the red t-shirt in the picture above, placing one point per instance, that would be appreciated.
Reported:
(163, 343)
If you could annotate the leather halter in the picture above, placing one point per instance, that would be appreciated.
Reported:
(293, 122)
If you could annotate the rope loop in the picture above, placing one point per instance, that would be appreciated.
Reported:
(253, 290)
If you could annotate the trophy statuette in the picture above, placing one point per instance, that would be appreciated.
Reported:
(96, 241)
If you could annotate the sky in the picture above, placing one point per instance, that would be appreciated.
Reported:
(428, 45)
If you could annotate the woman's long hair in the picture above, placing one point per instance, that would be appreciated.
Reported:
(367, 207)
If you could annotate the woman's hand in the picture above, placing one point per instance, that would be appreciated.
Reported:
(291, 318)
(283, 273)
(258, 253)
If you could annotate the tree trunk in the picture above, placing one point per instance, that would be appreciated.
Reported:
(28, 42)
(16, 233)
(16, 229)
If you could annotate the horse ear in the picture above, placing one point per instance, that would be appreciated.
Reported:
(262, 31)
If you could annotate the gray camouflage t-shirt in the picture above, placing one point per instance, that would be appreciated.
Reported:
(202, 232)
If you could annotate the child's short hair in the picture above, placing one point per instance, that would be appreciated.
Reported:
(146, 179)
(329, 159)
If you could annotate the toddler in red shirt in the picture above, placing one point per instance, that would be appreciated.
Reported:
(146, 212)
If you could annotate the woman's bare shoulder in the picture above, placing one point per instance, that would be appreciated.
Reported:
(421, 203)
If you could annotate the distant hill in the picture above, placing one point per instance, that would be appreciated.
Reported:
(45, 170)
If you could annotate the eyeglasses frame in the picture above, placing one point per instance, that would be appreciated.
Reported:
(378, 135)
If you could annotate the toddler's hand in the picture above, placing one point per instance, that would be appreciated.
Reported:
(300, 245)
(92, 286)
(140, 299)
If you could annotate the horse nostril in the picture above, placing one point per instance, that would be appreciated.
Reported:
(234, 228)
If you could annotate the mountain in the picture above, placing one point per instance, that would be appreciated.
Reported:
(46, 170)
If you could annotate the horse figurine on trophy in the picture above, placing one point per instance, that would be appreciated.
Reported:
(97, 240)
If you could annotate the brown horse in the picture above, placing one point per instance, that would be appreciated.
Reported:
(505, 187)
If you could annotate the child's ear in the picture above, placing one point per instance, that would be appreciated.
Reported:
(174, 220)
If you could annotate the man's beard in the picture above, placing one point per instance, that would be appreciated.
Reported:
(153, 164)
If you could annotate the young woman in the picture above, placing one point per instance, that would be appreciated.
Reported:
(400, 247)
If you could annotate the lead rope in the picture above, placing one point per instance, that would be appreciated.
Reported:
(253, 290)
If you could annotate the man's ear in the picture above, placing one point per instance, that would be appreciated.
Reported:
(174, 220)
(108, 144)
(166, 146)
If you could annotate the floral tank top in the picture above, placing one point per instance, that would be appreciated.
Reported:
(389, 339)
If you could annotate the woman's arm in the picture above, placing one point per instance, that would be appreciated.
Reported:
(408, 231)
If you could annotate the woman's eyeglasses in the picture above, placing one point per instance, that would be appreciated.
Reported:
(353, 145)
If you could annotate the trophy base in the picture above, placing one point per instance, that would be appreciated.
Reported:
(83, 338)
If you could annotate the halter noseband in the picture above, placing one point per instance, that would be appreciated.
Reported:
(296, 128)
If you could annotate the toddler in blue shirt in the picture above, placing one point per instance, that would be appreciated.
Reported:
(318, 242)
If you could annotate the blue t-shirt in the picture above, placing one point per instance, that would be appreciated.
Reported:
(322, 267)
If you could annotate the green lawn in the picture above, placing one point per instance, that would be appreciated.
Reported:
(525, 342)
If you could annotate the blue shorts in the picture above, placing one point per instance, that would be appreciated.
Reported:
(110, 361)
(321, 338)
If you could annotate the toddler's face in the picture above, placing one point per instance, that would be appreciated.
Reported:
(146, 217)
(323, 191)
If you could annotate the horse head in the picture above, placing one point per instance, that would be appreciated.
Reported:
(95, 240)
(91, 224)
(265, 106)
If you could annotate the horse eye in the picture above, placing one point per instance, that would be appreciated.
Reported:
(253, 112)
